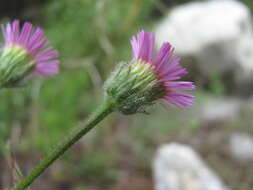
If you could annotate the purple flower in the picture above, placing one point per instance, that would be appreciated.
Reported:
(32, 43)
(166, 68)
(148, 79)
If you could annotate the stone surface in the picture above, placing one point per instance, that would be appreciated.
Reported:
(221, 109)
(179, 167)
(217, 33)
(241, 146)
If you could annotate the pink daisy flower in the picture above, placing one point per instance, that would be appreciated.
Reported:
(32, 41)
(146, 79)
(166, 68)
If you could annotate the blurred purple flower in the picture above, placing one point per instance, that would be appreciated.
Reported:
(166, 68)
(35, 44)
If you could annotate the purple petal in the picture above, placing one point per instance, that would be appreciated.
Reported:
(170, 67)
(15, 28)
(25, 33)
(43, 56)
(142, 46)
(47, 68)
(172, 72)
(180, 85)
(38, 46)
(37, 36)
(180, 99)
(8, 33)
(163, 55)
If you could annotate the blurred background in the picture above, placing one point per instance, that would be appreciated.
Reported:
(210, 144)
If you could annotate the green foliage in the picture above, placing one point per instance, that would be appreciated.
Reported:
(61, 103)
(45, 111)
(80, 187)
(94, 28)
(99, 30)
(13, 112)
(216, 84)
(79, 29)
(97, 165)
(249, 3)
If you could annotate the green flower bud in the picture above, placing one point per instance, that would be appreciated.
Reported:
(15, 63)
(133, 87)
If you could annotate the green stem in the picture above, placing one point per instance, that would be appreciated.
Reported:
(105, 109)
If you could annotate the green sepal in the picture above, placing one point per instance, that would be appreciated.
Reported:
(133, 87)
(15, 65)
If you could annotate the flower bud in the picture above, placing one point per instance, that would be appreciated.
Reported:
(146, 79)
(25, 52)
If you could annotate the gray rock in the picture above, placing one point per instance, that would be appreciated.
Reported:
(241, 146)
(179, 167)
(216, 33)
(221, 109)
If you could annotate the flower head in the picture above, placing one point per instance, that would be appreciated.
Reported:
(148, 79)
(25, 51)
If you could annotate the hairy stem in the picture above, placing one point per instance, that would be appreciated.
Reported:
(105, 109)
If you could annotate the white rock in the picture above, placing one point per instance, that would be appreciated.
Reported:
(221, 109)
(218, 33)
(178, 167)
(241, 146)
